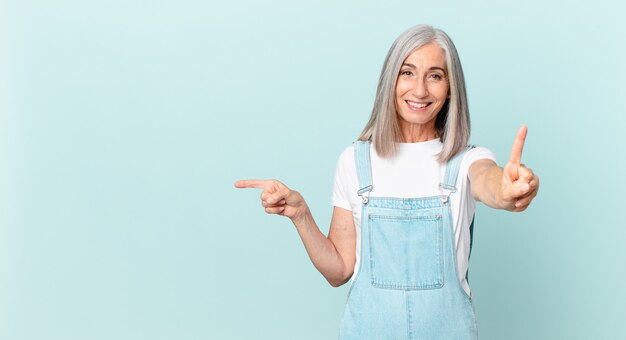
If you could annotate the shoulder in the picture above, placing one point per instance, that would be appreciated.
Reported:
(346, 162)
(478, 153)
(346, 180)
(474, 154)
(347, 155)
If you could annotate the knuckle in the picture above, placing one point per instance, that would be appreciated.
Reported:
(277, 182)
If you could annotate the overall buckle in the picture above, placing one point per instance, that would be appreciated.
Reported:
(364, 193)
(446, 191)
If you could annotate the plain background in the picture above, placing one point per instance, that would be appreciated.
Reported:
(124, 123)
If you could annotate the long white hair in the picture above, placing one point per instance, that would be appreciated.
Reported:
(452, 123)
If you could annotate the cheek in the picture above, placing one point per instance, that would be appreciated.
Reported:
(402, 87)
(443, 93)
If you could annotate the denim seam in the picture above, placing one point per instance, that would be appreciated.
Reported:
(408, 316)
(421, 218)
(360, 269)
(466, 296)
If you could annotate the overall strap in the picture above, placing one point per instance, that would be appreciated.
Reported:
(449, 186)
(363, 169)
(452, 172)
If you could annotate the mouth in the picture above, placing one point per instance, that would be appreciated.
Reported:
(417, 106)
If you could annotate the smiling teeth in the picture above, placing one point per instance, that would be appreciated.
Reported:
(416, 105)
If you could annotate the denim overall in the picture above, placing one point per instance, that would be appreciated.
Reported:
(407, 286)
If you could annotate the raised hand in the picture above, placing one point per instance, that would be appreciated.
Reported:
(519, 183)
(277, 198)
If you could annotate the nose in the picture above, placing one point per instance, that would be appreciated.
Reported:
(420, 89)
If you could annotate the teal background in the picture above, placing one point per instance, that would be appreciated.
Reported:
(123, 125)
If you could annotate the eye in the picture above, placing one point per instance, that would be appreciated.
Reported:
(406, 73)
(436, 76)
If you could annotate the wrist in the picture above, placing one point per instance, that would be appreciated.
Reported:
(302, 217)
(500, 202)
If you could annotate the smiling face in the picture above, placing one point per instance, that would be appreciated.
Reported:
(421, 91)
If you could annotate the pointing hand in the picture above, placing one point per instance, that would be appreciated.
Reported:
(277, 198)
(519, 183)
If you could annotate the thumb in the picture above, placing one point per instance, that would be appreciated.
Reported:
(518, 189)
(511, 172)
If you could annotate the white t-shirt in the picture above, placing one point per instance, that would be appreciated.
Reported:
(413, 172)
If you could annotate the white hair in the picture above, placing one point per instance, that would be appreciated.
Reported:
(452, 123)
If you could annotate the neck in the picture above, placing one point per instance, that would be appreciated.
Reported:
(418, 133)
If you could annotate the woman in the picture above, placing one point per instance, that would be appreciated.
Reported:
(404, 200)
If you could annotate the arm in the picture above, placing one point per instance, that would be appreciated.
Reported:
(334, 256)
(512, 187)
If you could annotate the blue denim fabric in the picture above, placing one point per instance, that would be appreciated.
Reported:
(406, 286)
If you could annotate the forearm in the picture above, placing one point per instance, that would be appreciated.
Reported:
(487, 186)
(322, 251)
(325, 252)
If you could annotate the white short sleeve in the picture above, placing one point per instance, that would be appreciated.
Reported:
(345, 175)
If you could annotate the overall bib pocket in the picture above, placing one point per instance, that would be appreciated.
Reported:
(406, 252)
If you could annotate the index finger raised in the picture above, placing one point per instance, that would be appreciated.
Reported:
(518, 145)
(251, 183)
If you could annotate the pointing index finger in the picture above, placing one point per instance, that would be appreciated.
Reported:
(518, 145)
(251, 183)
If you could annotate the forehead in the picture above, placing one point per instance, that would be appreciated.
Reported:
(427, 56)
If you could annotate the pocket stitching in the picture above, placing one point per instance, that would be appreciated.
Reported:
(415, 284)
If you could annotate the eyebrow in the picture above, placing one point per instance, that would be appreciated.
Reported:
(430, 69)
